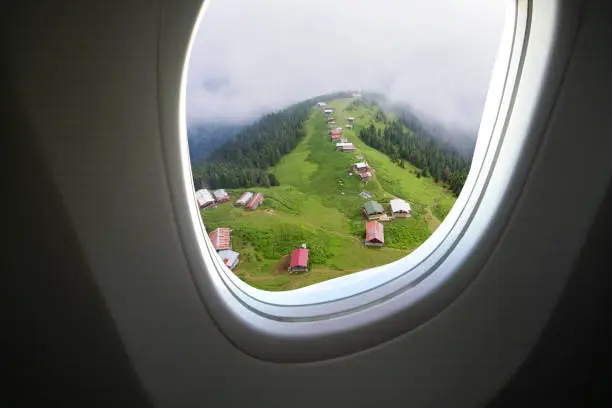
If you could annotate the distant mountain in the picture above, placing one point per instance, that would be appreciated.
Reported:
(204, 138)
(454, 140)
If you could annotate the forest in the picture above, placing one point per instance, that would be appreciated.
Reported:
(423, 152)
(245, 159)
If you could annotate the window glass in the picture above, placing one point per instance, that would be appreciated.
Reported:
(329, 137)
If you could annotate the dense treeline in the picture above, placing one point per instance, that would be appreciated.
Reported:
(244, 161)
(401, 144)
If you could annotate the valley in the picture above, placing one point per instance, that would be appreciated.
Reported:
(318, 203)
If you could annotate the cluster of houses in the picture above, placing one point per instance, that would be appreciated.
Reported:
(221, 239)
(342, 143)
(363, 170)
(206, 199)
(248, 200)
(374, 212)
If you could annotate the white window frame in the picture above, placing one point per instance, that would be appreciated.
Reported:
(360, 310)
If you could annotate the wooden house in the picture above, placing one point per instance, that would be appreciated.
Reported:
(365, 176)
(299, 260)
(361, 167)
(204, 198)
(244, 199)
(372, 210)
(400, 208)
(221, 195)
(375, 235)
(221, 238)
(255, 201)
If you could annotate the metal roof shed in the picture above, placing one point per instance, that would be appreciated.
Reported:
(375, 235)
(373, 207)
(299, 260)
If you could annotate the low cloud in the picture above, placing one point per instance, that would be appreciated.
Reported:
(252, 57)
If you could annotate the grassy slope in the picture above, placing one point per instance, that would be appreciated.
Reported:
(401, 182)
(319, 203)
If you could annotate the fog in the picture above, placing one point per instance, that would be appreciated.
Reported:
(252, 57)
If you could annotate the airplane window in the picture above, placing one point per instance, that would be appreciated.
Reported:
(331, 137)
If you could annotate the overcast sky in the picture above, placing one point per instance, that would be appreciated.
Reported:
(256, 56)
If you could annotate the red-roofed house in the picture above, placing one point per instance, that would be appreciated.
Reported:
(299, 260)
(244, 199)
(361, 167)
(255, 201)
(375, 235)
(365, 176)
(221, 238)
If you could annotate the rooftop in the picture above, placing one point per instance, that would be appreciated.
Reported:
(229, 257)
(221, 238)
(373, 207)
(220, 193)
(244, 198)
(398, 204)
(299, 257)
(203, 196)
(375, 232)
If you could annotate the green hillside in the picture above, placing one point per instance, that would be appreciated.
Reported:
(318, 203)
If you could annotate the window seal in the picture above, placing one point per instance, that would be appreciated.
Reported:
(307, 326)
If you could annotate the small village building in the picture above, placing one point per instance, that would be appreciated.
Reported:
(372, 210)
(221, 238)
(349, 126)
(335, 138)
(321, 104)
(221, 195)
(365, 176)
(348, 147)
(244, 199)
(331, 120)
(255, 201)
(328, 111)
(229, 258)
(342, 145)
(299, 260)
(350, 119)
(361, 167)
(204, 198)
(399, 208)
(375, 235)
